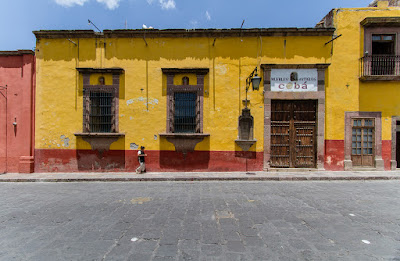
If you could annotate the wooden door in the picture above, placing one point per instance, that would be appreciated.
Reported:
(363, 142)
(293, 130)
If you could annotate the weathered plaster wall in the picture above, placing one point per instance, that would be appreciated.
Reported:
(16, 141)
(142, 104)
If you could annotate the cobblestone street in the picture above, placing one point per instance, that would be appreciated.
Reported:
(337, 220)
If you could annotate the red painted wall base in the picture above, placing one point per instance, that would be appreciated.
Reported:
(53, 160)
(334, 154)
(47, 160)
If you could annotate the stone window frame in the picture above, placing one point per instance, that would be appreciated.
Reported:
(100, 141)
(349, 116)
(319, 96)
(381, 26)
(393, 161)
(369, 32)
(114, 89)
(184, 142)
(172, 88)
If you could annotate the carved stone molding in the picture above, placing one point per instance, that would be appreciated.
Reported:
(245, 145)
(100, 141)
(184, 142)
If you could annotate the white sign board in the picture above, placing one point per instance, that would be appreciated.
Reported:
(294, 80)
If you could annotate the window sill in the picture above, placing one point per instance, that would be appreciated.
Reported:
(380, 78)
(245, 145)
(184, 142)
(99, 134)
(99, 141)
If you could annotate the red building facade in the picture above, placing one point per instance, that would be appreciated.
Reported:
(17, 89)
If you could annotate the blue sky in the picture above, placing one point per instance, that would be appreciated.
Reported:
(20, 17)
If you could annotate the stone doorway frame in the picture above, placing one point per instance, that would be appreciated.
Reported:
(318, 95)
(377, 116)
(393, 161)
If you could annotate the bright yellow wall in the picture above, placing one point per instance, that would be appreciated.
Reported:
(345, 92)
(142, 113)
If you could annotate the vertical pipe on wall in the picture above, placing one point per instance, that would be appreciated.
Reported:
(147, 85)
(240, 73)
(76, 76)
(214, 82)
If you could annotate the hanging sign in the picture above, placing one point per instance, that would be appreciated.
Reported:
(294, 80)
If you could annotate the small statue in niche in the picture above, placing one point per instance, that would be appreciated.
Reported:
(185, 80)
(294, 77)
(101, 80)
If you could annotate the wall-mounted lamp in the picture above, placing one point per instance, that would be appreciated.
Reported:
(254, 80)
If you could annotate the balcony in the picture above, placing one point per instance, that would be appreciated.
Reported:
(380, 68)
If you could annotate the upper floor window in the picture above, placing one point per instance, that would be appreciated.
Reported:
(383, 44)
(381, 60)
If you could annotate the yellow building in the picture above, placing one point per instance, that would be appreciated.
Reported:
(182, 95)
(362, 93)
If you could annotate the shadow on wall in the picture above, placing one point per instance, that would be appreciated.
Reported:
(100, 159)
(190, 161)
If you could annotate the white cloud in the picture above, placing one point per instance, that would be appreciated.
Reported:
(208, 16)
(69, 3)
(111, 4)
(150, 1)
(167, 4)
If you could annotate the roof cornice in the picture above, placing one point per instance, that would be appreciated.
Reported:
(175, 33)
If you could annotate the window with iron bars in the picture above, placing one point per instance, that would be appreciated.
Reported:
(99, 111)
(185, 112)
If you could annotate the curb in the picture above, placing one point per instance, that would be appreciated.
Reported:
(294, 178)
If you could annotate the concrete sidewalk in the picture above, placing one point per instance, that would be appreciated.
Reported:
(201, 176)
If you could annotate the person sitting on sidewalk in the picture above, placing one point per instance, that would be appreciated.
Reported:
(142, 165)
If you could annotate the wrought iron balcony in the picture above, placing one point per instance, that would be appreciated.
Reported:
(380, 67)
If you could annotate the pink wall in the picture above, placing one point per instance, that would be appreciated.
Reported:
(17, 72)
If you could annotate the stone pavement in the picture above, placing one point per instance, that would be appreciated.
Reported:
(201, 176)
(230, 221)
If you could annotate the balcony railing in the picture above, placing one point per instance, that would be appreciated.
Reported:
(380, 65)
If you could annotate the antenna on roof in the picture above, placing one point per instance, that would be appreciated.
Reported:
(91, 23)
(126, 23)
(241, 31)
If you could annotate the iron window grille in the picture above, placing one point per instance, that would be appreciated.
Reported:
(99, 110)
(185, 112)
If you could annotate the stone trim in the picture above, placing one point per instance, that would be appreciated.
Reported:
(374, 78)
(114, 88)
(380, 22)
(393, 161)
(100, 141)
(185, 70)
(175, 33)
(349, 115)
(16, 53)
(184, 142)
(319, 96)
(115, 70)
(171, 89)
(369, 31)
